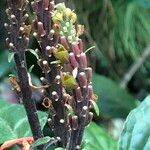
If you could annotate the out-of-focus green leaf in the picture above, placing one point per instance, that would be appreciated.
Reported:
(10, 56)
(136, 132)
(113, 100)
(5, 66)
(59, 148)
(14, 123)
(145, 3)
(98, 139)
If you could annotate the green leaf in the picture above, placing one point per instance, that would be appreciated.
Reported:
(95, 106)
(5, 67)
(34, 53)
(40, 141)
(113, 100)
(31, 68)
(145, 3)
(10, 56)
(98, 139)
(59, 148)
(14, 123)
(69, 110)
(136, 132)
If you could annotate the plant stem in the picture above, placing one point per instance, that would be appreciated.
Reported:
(44, 18)
(28, 102)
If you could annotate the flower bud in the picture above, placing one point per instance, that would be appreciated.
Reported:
(55, 96)
(89, 118)
(49, 51)
(74, 122)
(46, 4)
(57, 79)
(67, 12)
(76, 49)
(78, 94)
(44, 65)
(73, 60)
(41, 30)
(84, 111)
(89, 74)
(83, 60)
(73, 17)
(80, 45)
(64, 42)
(90, 92)
(82, 79)
(57, 17)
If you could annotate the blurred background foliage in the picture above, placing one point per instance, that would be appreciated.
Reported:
(120, 32)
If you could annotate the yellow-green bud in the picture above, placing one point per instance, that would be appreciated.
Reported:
(67, 13)
(73, 17)
(57, 17)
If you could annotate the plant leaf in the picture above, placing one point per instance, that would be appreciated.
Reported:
(136, 132)
(40, 141)
(14, 123)
(145, 3)
(5, 66)
(10, 56)
(31, 68)
(34, 53)
(59, 148)
(98, 139)
(95, 106)
(113, 100)
(69, 109)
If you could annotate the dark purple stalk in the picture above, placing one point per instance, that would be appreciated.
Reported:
(47, 42)
(28, 102)
(18, 42)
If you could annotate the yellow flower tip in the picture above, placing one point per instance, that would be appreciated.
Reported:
(57, 17)
(73, 17)
(60, 7)
(67, 12)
